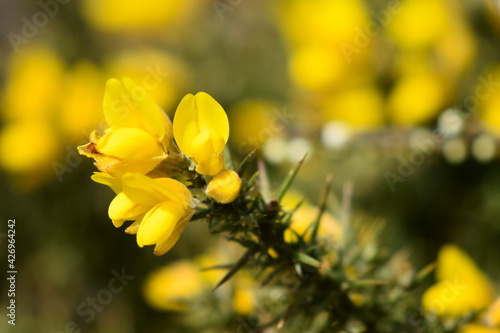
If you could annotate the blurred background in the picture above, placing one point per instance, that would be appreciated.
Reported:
(399, 98)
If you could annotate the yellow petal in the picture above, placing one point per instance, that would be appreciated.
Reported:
(154, 119)
(129, 144)
(196, 113)
(106, 179)
(117, 167)
(206, 144)
(159, 223)
(164, 246)
(147, 191)
(211, 166)
(126, 104)
(122, 209)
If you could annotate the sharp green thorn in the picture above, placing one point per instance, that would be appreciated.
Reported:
(322, 204)
(289, 179)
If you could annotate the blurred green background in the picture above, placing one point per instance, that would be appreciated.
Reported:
(399, 98)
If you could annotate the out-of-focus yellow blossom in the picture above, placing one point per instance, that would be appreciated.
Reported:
(325, 22)
(456, 50)
(362, 107)
(33, 84)
(461, 286)
(317, 67)
(487, 95)
(324, 40)
(224, 187)
(244, 297)
(139, 132)
(127, 15)
(416, 98)
(159, 207)
(174, 286)
(163, 76)
(419, 24)
(253, 122)
(201, 130)
(80, 109)
(305, 216)
(28, 147)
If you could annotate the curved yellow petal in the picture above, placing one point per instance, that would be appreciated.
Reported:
(164, 246)
(159, 223)
(196, 113)
(147, 191)
(122, 209)
(129, 144)
(155, 121)
(117, 167)
(106, 179)
(127, 104)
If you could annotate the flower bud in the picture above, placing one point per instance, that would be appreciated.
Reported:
(224, 187)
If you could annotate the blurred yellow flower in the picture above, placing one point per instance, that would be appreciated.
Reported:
(461, 286)
(362, 107)
(201, 130)
(33, 84)
(317, 67)
(224, 187)
(164, 76)
(127, 15)
(419, 24)
(139, 132)
(325, 22)
(416, 98)
(487, 96)
(28, 147)
(174, 286)
(253, 123)
(81, 104)
(304, 217)
(160, 207)
(244, 298)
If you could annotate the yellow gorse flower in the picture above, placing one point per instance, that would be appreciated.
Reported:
(225, 187)
(201, 130)
(139, 132)
(461, 286)
(159, 207)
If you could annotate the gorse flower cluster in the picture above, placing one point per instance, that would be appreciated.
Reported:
(149, 162)
(330, 274)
